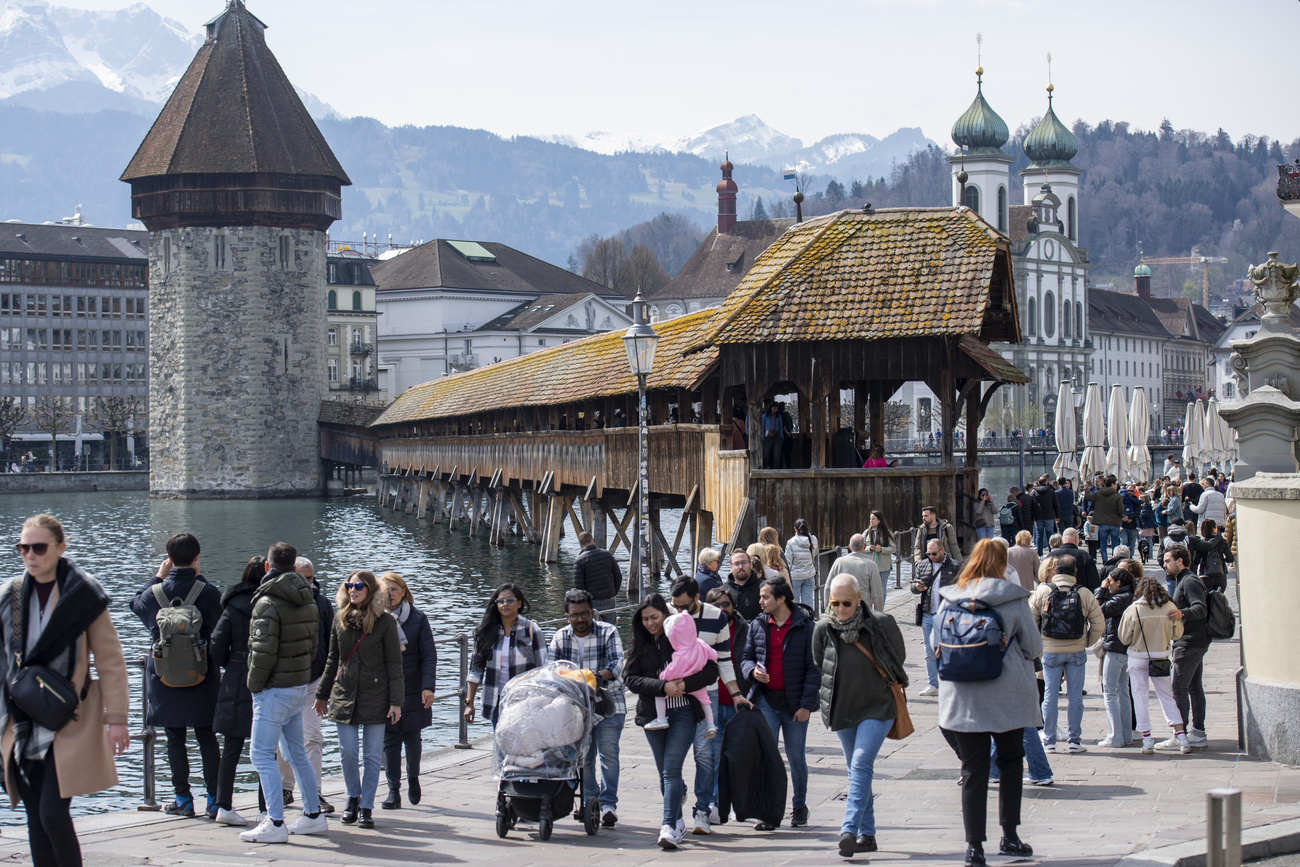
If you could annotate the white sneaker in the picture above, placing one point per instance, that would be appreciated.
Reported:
(1183, 746)
(929, 690)
(1197, 739)
(656, 725)
(1148, 746)
(710, 733)
(230, 817)
(1045, 781)
(1169, 746)
(701, 823)
(307, 825)
(1106, 742)
(267, 832)
(1076, 747)
(714, 816)
(668, 837)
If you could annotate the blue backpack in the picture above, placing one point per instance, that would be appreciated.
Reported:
(970, 642)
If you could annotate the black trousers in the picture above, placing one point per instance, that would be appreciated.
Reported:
(178, 759)
(973, 749)
(393, 743)
(50, 834)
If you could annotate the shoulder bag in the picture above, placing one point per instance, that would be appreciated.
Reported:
(39, 692)
(902, 726)
(1155, 667)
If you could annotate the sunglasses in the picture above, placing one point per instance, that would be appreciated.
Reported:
(358, 586)
(37, 548)
(722, 603)
(836, 603)
(503, 601)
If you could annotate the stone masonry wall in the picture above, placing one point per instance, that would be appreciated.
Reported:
(237, 361)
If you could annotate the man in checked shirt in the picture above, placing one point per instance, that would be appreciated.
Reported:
(593, 644)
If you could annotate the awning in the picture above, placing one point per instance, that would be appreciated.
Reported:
(998, 368)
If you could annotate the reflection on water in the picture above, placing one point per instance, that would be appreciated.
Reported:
(120, 538)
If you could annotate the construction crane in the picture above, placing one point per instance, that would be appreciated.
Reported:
(1204, 261)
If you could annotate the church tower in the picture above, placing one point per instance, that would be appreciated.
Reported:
(236, 186)
(1050, 146)
(980, 134)
(726, 198)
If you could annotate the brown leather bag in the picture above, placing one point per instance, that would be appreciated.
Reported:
(902, 726)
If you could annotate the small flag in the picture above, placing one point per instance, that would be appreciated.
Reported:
(790, 174)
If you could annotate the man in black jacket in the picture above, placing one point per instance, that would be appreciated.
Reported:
(1189, 651)
(1046, 510)
(1026, 501)
(743, 584)
(1087, 567)
(597, 572)
(936, 571)
(313, 738)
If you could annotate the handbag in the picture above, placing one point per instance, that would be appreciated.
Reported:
(1155, 667)
(920, 613)
(902, 726)
(42, 694)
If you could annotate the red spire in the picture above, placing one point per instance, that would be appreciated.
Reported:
(726, 198)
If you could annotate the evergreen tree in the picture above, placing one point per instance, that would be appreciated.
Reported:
(759, 212)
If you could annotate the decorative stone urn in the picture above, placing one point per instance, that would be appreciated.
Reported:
(1276, 289)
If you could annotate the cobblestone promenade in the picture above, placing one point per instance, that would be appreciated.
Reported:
(1105, 804)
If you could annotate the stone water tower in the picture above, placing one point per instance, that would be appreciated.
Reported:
(236, 186)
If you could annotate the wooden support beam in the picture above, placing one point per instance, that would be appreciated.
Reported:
(702, 531)
(550, 552)
(475, 508)
(599, 530)
(877, 404)
(453, 518)
(666, 555)
(688, 519)
(577, 524)
(620, 529)
(521, 517)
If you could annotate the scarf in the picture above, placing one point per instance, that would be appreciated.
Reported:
(849, 631)
(81, 601)
(402, 612)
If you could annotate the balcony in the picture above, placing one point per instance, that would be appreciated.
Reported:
(361, 349)
(363, 383)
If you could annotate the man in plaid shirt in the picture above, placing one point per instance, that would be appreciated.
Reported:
(595, 645)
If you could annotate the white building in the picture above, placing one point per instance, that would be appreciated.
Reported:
(450, 306)
(351, 328)
(1129, 341)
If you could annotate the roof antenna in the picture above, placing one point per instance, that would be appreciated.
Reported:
(1050, 86)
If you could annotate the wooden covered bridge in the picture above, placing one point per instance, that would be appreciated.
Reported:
(852, 304)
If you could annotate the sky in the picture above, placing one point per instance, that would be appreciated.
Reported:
(811, 69)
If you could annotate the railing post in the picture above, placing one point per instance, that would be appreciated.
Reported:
(148, 737)
(462, 641)
(1223, 808)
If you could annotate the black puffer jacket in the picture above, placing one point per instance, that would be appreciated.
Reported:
(802, 679)
(419, 671)
(1113, 606)
(1046, 504)
(597, 572)
(283, 633)
(229, 649)
(325, 610)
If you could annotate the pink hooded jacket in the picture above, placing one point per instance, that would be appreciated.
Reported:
(690, 654)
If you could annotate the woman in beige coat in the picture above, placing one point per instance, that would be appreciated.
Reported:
(61, 615)
(1149, 626)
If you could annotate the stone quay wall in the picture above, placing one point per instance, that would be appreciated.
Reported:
(237, 361)
(60, 483)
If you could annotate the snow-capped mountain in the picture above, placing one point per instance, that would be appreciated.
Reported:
(133, 51)
(748, 138)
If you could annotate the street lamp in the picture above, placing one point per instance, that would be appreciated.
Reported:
(640, 341)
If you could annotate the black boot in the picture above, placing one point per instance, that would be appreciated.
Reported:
(975, 855)
(413, 789)
(350, 811)
(1012, 845)
(394, 799)
(367, 821)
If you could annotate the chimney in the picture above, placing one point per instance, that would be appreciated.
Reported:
(726, 198)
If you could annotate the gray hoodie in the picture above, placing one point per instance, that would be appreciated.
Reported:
(1011, 701)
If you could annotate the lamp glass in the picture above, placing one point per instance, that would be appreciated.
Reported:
(641, 341)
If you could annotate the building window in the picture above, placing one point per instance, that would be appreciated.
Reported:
(166, 256)
(1069, 219)
(332, 273)
(286, 253)
(1065, 319)
(973, 198)
(541, 341)
(333, 336)
(219, 251)
(334, 370)
(356, 300)
(1049, 315)
(333, 300)
(1078, 319)
(1033, 319)
(1002, 209)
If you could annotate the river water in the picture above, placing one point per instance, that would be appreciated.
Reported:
(120, 538)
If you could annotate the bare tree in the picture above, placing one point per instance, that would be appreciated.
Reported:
(641, 272)
(116, 417)
(54, 415)
(604, 262)
(12, 414)
(898, 416)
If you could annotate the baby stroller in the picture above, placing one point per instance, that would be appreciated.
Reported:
(542, 737)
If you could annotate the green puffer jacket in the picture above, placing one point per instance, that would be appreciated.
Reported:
(864, 694)
(361, 692)
(283, 633)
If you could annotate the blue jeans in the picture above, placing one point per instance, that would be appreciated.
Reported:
(351, 738)
(604, 740)
(277, 719)
(795, 734)
(706, 760)
(861, 744)
(669, 747)
(984, 532)
(931, 664)
(1130, 536)
(1119, 701)
(1073, 665)
(1035, 758)
(1108, 537)
(722, 714)
(803, 592)
(1043, 530)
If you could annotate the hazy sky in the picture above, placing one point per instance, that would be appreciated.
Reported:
(808, 69)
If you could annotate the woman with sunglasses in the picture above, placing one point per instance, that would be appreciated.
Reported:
(364, 686)
(63, 621)
(506, 644)
(851, 645)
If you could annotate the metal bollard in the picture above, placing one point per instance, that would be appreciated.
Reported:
(148, 737)
(1223, 808)
(462, 641)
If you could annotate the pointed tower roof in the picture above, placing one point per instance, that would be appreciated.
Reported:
(1051, 144)
(234, 112)
(980, 130)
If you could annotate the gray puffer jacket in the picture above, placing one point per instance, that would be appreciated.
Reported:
(283, 632)
(1010, 701)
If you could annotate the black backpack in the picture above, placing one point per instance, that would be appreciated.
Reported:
(1221, 623)
(1063, 614)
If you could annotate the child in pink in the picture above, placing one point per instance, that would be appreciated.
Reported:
(690, 655)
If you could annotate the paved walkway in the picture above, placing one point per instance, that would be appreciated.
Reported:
(1105, 804)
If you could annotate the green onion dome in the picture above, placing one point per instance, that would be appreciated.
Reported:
(1050, 144)
(979, 129)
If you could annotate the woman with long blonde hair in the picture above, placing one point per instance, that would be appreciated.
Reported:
(362, 687)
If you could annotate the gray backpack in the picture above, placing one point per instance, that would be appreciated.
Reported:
(180, 655)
